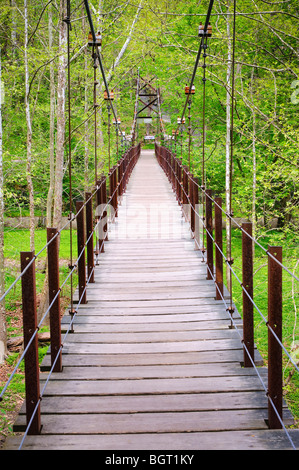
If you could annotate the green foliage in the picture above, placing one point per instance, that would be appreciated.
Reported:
(163, 47)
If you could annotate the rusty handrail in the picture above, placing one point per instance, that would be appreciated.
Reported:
(130, 157)
(173, 167)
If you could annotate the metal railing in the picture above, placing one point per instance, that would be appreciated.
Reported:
(92, 234)
(188, 192)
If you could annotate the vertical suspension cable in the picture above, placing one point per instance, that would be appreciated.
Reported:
(205, 45)
(203, 182)
(67, 20)
(189, 133)
(109, 124)
(95, 106)
(230, 259)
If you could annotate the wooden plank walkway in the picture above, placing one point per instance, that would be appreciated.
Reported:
(152, 362)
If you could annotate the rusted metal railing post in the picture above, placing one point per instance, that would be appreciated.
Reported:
(247, 280)
(54, 289)
(89, 237)
(104, 215)
(81, 252)
(120, 174)
(173, 172)
(116, 191)
(191, 198)
(218, 248)
(196, 212)
(185, 190)
(209, 225)
(176, 177)
(185, 185)
(99, 242)
(180, 192)
(32, 386)
(126, 171)
(112, 188)
(169, 159)
(274, 348)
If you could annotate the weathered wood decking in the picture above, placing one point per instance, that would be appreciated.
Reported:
(152, 362)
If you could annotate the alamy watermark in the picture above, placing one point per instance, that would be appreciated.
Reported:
(150, 221)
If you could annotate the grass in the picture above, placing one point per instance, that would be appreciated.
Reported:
(18, 240)
(15, 241)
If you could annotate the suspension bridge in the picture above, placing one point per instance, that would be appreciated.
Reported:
(152, 352)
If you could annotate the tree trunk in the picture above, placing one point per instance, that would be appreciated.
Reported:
(228, 143)
(29, 132)
(253, 177)
(61, 88)
(86, 106)
(54, 201)
(14, 29)
(3, 334)
(52, 124)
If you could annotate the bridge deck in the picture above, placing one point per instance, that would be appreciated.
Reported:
(152, 362)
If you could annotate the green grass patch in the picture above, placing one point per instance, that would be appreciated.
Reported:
(17, 240)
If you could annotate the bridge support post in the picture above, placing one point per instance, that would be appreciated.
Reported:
(185, 192)
(54, 289)
(274, 348)
(32, 386)
(81, 252)
(112, 189)
(218, 248)
(179, 176)
(99, 241)
(104, 201)
(247, 280)
(120, 176)
(172, 160)
(185, 184)
(115, 189)
(167, 156)
(167, 162)
(89, 237)
(209, 225)
(126, 172)
(196, 212)
(191, 198)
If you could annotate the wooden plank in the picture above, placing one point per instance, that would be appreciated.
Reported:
(85, 326)
(154, 403)
(149, 337)
(153, 386)
(225, 440)
(101, 372)
(156, 303)
(154, 286)
(155, 422)
(150, 296)
(72, 358)
(149, 348)
(93, 314)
